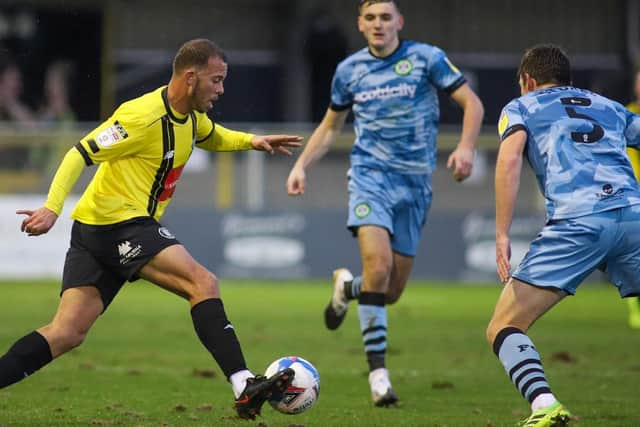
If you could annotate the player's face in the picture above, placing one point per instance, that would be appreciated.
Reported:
(208, 85)
(380, 24)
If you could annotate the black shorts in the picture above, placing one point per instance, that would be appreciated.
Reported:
(106, 256)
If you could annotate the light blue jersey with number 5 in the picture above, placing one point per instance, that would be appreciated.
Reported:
(576, 145)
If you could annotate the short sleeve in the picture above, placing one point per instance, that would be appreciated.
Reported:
(341, 96)
(442, 73)
(510, 120)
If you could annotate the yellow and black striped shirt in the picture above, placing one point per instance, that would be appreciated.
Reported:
(142, 149)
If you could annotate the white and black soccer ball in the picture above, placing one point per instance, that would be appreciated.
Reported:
(303, 391)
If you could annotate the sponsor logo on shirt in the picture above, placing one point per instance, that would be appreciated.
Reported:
(170, 183)
(386, 92)
(111, 135)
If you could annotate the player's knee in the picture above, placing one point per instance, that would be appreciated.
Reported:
(378, 267)
(205, 285)
(68, 338)
(493, 329)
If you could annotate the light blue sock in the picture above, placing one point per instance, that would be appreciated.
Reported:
(522, 362)
(352, 289)
(373, 324)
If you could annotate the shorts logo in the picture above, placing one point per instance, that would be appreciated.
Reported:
(127, 252)
(164, 232)
(403, 67)
(609, 193)
(362, 210)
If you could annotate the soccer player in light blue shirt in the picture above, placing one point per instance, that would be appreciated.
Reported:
(391, 86)
(575, 141)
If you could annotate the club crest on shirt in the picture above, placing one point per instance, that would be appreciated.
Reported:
(111, 135)
(362, 210)
(403, 67)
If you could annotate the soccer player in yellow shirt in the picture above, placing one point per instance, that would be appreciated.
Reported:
(116, 237)
(634, 156)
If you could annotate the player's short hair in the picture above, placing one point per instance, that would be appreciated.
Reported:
(196, 53)
(547, 63)
(363, 3)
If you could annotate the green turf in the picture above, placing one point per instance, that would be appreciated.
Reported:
(143, 366)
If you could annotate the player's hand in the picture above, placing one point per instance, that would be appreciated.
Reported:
(462, 162)
(38, 221)
(296, 181)
(276, 143)
(503, 257)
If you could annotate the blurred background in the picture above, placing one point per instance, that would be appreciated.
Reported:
(66, 64)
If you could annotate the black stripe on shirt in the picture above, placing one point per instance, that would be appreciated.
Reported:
(336, 107)
(168, 145)
(513, 129)
(84, 154)
(455, 85)
(94, 147)
(208, 135)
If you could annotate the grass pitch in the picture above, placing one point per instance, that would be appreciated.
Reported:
(142, 364)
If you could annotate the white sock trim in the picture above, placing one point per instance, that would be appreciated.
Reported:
(239, 381)
(542, 401)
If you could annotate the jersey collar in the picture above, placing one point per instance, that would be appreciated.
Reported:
(388, 56)
(173, 114)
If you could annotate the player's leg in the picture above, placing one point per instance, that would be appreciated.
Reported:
(623, 268)
(518, 307)
(77, 311)
(347, 287)
(634, 302)
(400, 273)
(377, 261)
(371, 198)
(174, 269)
(634, 312)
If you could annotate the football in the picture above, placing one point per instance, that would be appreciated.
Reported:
(303, 391)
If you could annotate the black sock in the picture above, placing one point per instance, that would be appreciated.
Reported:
(217, 335)
(25, 356)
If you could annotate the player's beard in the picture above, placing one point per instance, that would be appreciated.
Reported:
(197, 106)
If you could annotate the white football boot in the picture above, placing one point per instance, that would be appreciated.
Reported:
(336, 310)
(382, 393)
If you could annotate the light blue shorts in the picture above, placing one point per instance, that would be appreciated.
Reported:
(394, 201)
(567, 251)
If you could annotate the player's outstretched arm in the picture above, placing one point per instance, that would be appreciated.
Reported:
(461, 160)
(319, 142)
(40, 221)
(507, 182)
(276, 143)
